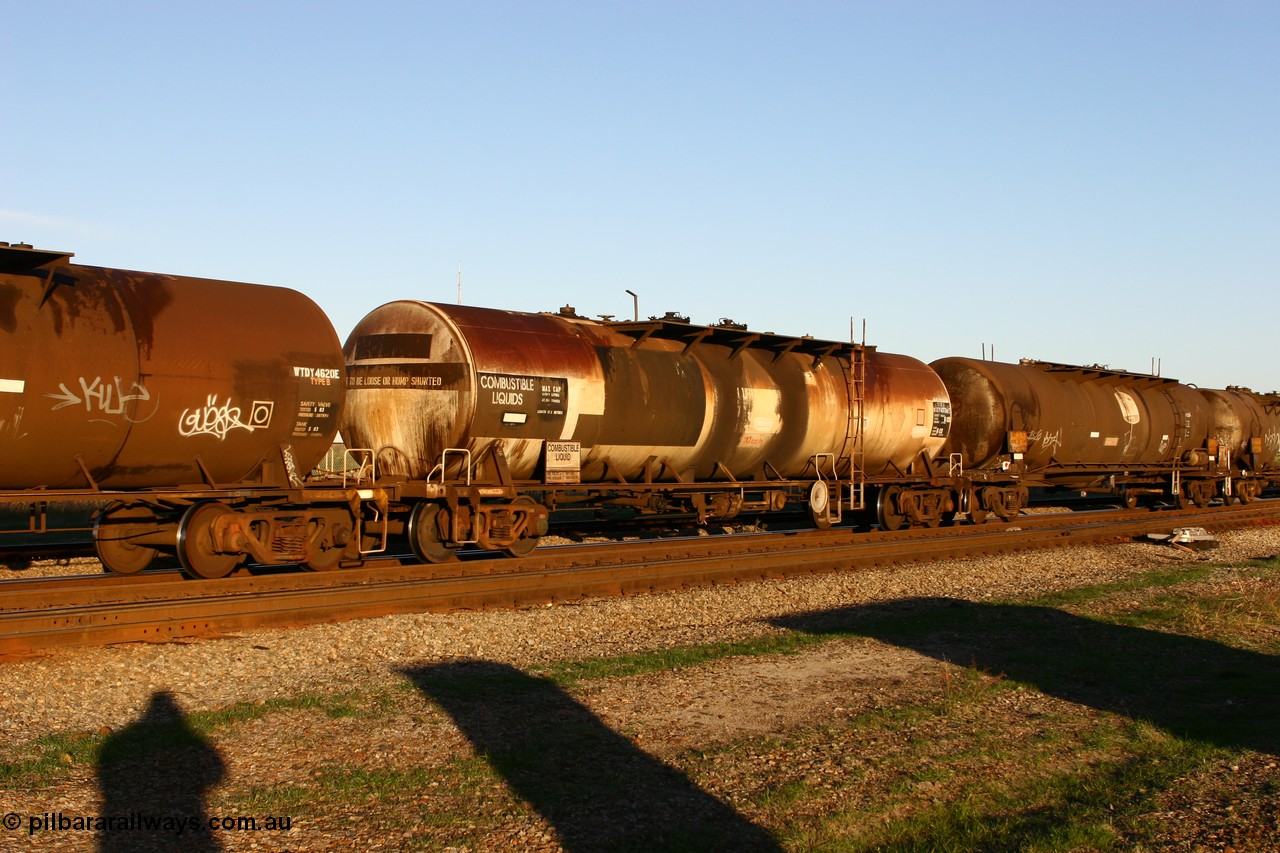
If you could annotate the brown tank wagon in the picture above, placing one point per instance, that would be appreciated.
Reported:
(1245, 426)
(116, 380)
(121, 379)
(1100, 430)
(716, 419)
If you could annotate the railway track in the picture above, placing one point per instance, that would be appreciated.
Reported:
(42, 614)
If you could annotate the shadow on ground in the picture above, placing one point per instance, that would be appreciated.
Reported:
(599, 791)
(155, 774)
(1192, 688)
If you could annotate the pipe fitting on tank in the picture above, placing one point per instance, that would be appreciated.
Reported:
(1195, 458)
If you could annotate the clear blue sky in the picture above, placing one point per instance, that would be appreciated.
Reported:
(1089, 182)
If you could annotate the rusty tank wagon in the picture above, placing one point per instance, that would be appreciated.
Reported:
(1245, 427)
(118, 382)
(654, 415)
(1094, 429)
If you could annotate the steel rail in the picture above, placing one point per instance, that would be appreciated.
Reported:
(166, 610)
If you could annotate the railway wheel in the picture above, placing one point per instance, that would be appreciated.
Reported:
(1244, 491)
(331, 541)
(114, 529)
(524, 545)
(1005, 503)
(196, 548)
(891, 518)
(991, 497)
(1129, 498)
(424, 533)
(820, 505)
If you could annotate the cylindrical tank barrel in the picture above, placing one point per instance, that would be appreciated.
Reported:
(153, 380)
(423, 377)
(1069, 415)
(1241, 419)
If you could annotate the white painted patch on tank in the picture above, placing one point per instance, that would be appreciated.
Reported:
(763, 409)
(12, 386)
(586, 397)
(1128, 407)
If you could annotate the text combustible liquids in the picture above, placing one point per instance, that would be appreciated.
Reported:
(508, 390)
(536, 395)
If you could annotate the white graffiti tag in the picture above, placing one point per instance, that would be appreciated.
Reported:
(1050, 441)
(214, 418)
(1271, 443)
(101, 396)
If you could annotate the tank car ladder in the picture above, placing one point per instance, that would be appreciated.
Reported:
(857, 380)
(855, 375)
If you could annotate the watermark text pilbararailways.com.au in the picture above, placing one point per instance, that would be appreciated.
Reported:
(142, 822)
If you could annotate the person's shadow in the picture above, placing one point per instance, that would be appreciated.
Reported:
(1190, 687)
(154, 775)
(599, 790)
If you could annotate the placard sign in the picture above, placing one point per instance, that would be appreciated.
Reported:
(563, 461)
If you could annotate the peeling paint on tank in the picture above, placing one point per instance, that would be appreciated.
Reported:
(633, 399)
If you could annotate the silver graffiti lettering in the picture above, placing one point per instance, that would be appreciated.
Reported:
(212, 419)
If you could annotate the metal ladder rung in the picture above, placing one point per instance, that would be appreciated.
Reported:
(857, 425)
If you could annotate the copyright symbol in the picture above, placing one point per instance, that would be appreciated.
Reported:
(12, 820)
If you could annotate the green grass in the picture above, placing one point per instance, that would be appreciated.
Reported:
(1101, 807)
(1091, 788)
(49, 759)
(461, 800)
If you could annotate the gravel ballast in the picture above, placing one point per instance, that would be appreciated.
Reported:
(89, 689)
